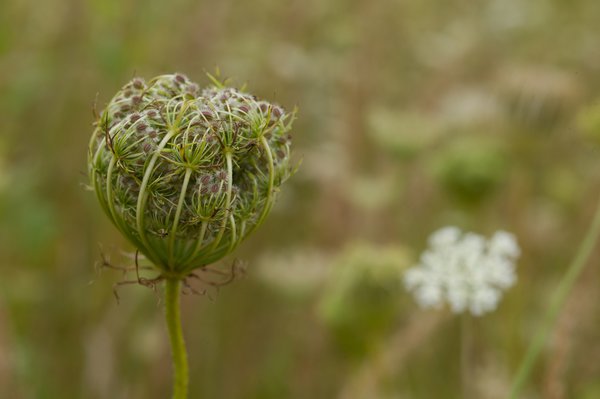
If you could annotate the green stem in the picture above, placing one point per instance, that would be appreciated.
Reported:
(465, 355)
(227, 200)
(143, 196)
(268, 202)
(186, 181)
(178, 351)
(556, 304)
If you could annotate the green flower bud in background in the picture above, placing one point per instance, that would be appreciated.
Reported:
(362, 295)
(471, 169)
(186, 174)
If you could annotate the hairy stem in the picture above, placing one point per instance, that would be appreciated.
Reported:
(178, 351)
(556, 304)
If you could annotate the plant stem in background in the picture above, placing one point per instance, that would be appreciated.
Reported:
(466, 338)
(556, 304)
(178, 351)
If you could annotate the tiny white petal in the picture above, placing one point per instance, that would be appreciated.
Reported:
(501, 272)
(445, 236)
(504, 243)
(429, 296)
(414, 277)
(458, 300)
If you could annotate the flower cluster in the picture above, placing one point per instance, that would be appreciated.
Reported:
(467, 271)
(186, 174)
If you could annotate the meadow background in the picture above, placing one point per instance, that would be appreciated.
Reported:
(412, 115)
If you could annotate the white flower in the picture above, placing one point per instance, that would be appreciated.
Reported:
(464, 270)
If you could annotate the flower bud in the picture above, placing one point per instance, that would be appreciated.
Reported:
(187, 175)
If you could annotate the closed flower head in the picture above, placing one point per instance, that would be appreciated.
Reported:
(186, 174)
(465, 270)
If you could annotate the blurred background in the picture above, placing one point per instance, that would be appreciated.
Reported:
(413, 115)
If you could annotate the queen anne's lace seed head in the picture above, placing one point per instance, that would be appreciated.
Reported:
(187, 174)
(465, 270)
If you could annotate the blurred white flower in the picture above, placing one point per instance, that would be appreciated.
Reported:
(465, 270)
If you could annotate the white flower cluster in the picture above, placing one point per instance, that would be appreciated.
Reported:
(465, 270)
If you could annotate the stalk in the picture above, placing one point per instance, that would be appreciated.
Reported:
(186, 181)
(269, 200)
(556, 304)
(178, 350)
(143, 195)
(227, 200)
(466, 344)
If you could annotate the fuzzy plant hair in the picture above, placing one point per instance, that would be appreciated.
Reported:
(187, 174)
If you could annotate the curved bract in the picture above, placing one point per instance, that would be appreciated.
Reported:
(186, 174)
